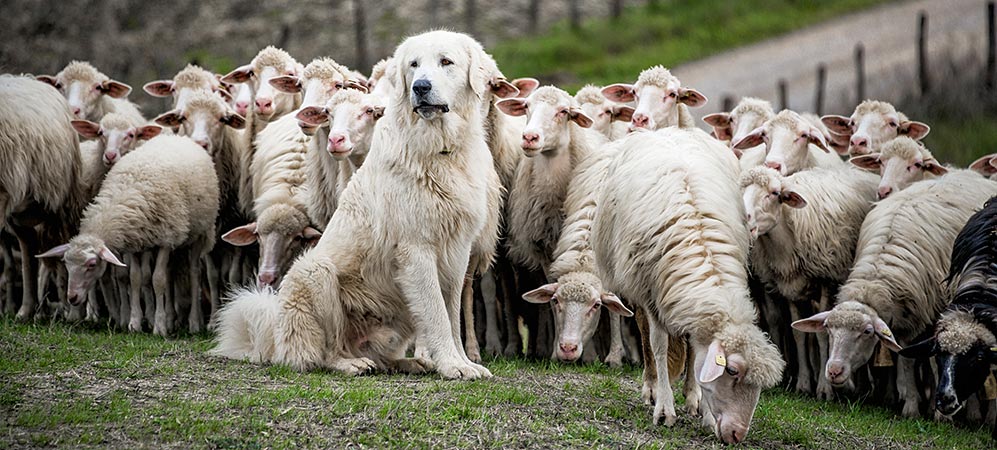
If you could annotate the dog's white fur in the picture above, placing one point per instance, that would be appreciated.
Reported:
(392, 260)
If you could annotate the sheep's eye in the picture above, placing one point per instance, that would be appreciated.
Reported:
(732, 371)
(339, 85)
(553, 300)
(445, 62)
(893, 124)
(867, 331)
(672, 94)
(851, 124)
(414, 64)
(370, 111)
(775, 193)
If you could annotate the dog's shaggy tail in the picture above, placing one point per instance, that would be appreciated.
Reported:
(244, 326)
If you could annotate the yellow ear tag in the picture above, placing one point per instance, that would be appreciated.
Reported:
(886, 332)
(993, 349)
(721, 361)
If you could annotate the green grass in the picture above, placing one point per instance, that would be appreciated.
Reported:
(76, 386)
(605, 51)
(961, 142)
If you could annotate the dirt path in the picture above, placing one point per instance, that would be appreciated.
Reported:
(888, 32)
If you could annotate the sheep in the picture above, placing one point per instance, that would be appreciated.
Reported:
(804, 228)
(963, 342)
(873, 123)
(749, 114)
(242, 99)
(92, 94)
(894, 290)
(163, 195)
(986, 166)
(792, 143)
(111, 139)
(269, 103)
(609, 118)
(901, 162)
(668, 235)
(661, 100)
(41, 190)
(411, 218)
(190, 79)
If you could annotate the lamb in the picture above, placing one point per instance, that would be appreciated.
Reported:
(661, 100)
(792, 143)
(40, 177)
(894, 291)
(164, 195)
(669, 235)
(804, 228)
(873, 123)
(191, 79)
(901, 162)
(411, 218)
(964, 340)
(609, 118)
(108, 141)
(749, 114)
(92, 94)
(986, 166)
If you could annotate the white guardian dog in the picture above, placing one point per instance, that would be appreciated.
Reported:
(392, 260)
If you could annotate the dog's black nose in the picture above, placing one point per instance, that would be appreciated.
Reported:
(421, 87)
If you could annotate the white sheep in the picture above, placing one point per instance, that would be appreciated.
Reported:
(91, 94)
(792, 143)
(40, 177)
(749, 114)
(661, 100)
(164, 196)
(895, 291)
(901, 162)
(805, 227)
(669, 235)
(269, 103)
(608, 117)
(873, 123)
(986, 166)
(188, 80)
(106, 142)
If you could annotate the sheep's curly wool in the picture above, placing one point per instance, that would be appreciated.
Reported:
(324, 69)
(590, 94)
(957, 331)
(904, 148)
(753, 105)
(272, 56)
(763, 359)
(759, 176)
(81, 71)
(194, 77)
(656, 76)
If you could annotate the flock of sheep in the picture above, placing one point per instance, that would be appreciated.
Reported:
(380, 204)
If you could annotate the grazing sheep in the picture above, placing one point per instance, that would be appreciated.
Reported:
(92, 94)
(901, 162)
(661, 100)
(986, 166)
(894, 291)
(608, 117)
(873, 123)
(964, 343)
(792, 143)
(804, 228)
(669, 235)
(191, 79)
(164, 196)
(393, 258)
(41, 190)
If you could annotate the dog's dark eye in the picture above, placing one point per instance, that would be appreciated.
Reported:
(445, 62)
(414, 64)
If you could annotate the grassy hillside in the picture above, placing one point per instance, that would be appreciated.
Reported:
(606, 51)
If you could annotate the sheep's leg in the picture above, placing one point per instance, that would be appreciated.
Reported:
(160, 277)
(773, 318)
(9, 304)
(235, 269)
(907, 387)
(134, 263)
(61, 285)
(693, 393)
(973, 413)
(615, 356)
(493, 342)
(124, 283)
(471, 346)
(664, 407)
(27, 241)
(196, 319)
(93, 312)
(802, 359)
(647, 390)
(109, 290)
(212, 274)
(824, 389)
(148, 297)
(631, 342)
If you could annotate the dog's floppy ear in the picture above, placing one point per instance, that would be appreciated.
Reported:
(477, 75)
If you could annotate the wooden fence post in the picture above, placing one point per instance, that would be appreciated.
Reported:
(922, 52)
(991, 46)
(859, 73)
(819, 95)
(728, 103)
(783, 95)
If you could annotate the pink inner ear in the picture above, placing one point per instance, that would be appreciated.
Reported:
(541, 294)
(512, 106)
(714, 364)
(837, 124)
(159, 88)
(526, 86)
(286, 83)
(620, 93)
(867, 162)
(313, 115)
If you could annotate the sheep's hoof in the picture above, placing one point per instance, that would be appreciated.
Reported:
(825, 391)
(462, 371)
(911, 410)
(412, 366)
(354, 366)
(196, 327)
(474, 354)
(24, 315)
(135, 326)
(510, 350)
(614, 359)
(647, 392)
(493, 345)
(664, 418)
(803, 385)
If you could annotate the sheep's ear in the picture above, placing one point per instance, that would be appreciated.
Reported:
(815, 137)
(867, 162)
(985, 165)
(503, 89)
(613, 304)
(286, 83)
(619, 92)
(240, 75)
(577, 116)
(914, 130)
(240, 236)
(311, 236)
(512, 106)
(839, 143)
(159, 88)
(225, 95)
(812, 324)
(924, 349)
(885, 335)
(542, 294)
(148, 132)
(714, 364)
(932, 166)
(115, 89)
(170, 119)
(378, 112)
(234, 120)
(107, 255)
(692, 97)
(792, 199)
(752, 139)
(526, 86)
(838, 124)
(721, 125)
(313, 115)
(55, 252)
(49, 80)
(623, 113)
(87, 129)
(352, 84)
